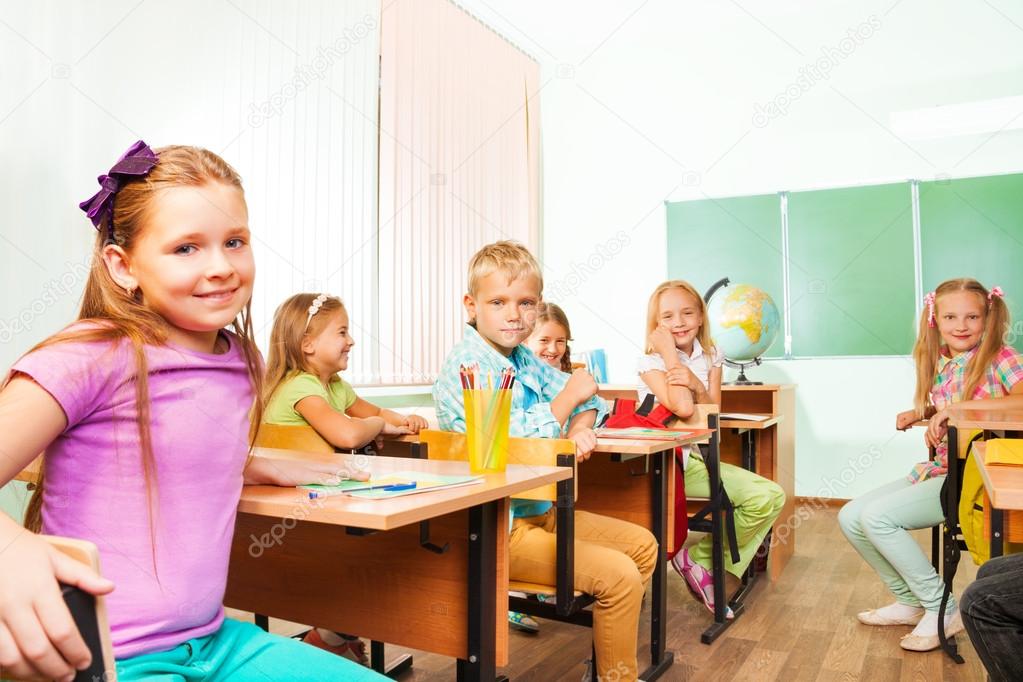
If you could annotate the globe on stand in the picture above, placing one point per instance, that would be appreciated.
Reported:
(744, 322)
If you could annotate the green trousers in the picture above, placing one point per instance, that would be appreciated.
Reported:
(757, 501)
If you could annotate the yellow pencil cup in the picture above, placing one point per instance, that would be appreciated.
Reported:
(487, 415)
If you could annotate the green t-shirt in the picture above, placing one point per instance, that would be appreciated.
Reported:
(281, 409)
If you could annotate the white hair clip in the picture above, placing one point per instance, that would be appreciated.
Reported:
(314, 308)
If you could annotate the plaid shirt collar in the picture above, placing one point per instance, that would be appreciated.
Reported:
(957, 361)
(475, 341)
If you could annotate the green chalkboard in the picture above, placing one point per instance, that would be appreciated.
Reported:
(851, 281)
(739, 238)
(974, 228)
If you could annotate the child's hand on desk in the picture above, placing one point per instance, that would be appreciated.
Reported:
(904, 420)
(414, 423)
(289, 473)
(585, 443)
(389, 430)
(38, 637)
(392, 430)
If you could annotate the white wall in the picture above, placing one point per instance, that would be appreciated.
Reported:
(286, 93)
(648, 101)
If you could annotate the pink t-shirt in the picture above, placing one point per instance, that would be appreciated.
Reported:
(94, 486)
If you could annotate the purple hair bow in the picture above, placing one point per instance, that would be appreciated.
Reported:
(137, 161)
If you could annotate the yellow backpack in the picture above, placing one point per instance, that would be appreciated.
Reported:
(974, 517)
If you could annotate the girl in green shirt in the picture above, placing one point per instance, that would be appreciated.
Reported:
(309, 347)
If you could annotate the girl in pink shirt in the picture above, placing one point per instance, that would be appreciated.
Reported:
(143, 409)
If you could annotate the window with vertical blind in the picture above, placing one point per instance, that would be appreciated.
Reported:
(305, 97)
(459, 168)
(374, 190)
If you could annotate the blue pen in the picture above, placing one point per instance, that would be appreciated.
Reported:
(398, 486)
(390, 487)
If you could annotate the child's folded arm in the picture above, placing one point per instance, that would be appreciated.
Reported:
(678, 399)
(337, 428)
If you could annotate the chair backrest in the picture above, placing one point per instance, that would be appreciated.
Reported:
(446, 445)
(91, 620)
(292, 437)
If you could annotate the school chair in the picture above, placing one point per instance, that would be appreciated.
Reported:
(716, 517)
(306, 438)
(89, 613)
(569, 604)
(292, 437)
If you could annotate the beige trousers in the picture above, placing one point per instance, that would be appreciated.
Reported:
(613, 561)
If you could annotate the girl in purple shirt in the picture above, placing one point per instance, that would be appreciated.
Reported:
(143, 409)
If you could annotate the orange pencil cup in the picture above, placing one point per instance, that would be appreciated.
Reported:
(487, 416)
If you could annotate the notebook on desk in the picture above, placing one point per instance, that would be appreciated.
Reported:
(643, 433)
(396, 484)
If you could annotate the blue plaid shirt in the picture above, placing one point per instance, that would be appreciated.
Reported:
(536, 385)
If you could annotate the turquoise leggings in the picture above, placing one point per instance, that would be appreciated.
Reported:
(241, 652)
(877, 525)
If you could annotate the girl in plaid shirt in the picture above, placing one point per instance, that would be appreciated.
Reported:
(960, 358)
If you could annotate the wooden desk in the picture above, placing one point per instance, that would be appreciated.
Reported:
(639, 488)
(1004, 487)
(323, 562)
(1005, 421)
(774, 450)
(988, 420)
(774, 445)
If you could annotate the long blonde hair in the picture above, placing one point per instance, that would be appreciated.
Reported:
(927, 349)
(285, 358)
(653, 310)
(123, 315)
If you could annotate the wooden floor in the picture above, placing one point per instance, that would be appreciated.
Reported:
(802, 627)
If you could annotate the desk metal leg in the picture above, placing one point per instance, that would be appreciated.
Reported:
(660, 660)
(748, 439)
(997, 532)
(378, 661)
(749, 450)
(480, 662)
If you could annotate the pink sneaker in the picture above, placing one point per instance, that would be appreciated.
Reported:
(698, 580)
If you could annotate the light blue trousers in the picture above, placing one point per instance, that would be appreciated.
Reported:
(877, 525)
